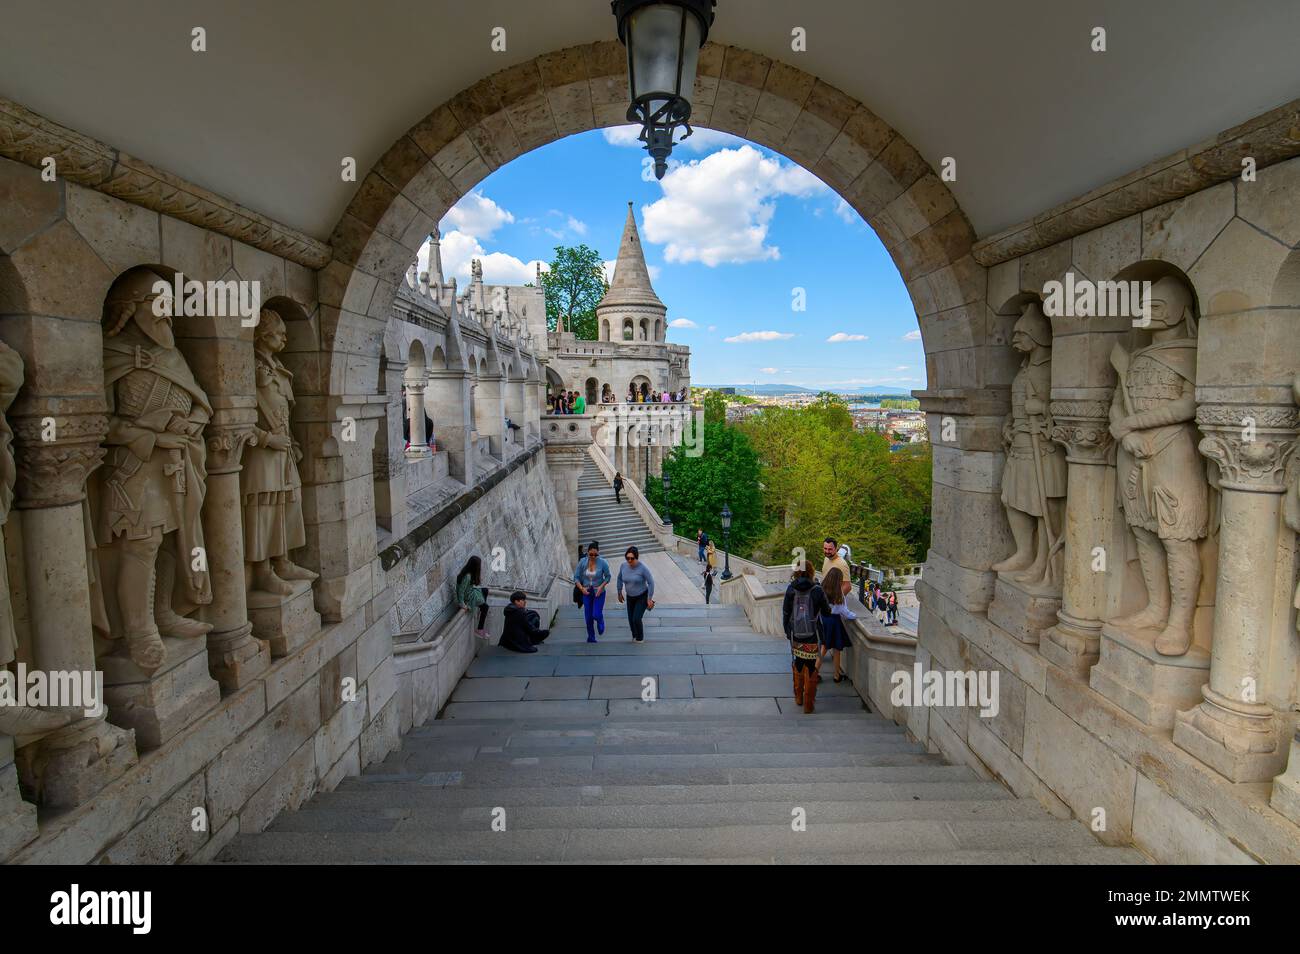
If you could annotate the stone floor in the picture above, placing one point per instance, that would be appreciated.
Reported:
(561, 746)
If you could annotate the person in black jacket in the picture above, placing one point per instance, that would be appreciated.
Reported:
(618, 487)
(801, 612)
(520, 634)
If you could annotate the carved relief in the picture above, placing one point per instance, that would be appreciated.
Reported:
(1161, 478)
(1292, 505)
(270, 484)
(149, 493)
(1034, 477)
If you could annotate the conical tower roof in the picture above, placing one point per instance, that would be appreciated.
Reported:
(631, 284)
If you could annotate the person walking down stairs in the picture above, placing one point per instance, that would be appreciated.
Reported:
(802, 610)
(592, 577)
(618, 487)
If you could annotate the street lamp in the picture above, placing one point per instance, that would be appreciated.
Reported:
(649, 442)
(726, 536)
(663, 40)
(668, 485)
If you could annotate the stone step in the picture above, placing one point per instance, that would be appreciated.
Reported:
(1037, 841)
(545, 773)
(442, 816)
(916, 785)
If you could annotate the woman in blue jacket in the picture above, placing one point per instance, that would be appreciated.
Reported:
(592, 576)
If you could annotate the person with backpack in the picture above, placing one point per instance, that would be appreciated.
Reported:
(802, 610)
(701, 541)
(891, 614)
(618, 487)
(708, 583)
(592, 576)
(522, 630)
(472, 596)
(835, 636)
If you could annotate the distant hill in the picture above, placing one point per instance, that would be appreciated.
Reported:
(767, 390)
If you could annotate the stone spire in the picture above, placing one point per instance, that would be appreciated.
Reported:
(631, 284)
(435, 257)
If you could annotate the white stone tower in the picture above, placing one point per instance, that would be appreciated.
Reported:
(630, 310)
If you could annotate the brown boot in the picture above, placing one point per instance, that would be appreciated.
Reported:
(798, 686)
(809, 693)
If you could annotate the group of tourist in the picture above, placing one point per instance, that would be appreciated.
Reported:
(813, 617)
(566, 402)
(572, 402)
(634, 585)
(644, 395)
(522, 630)
(884, 603)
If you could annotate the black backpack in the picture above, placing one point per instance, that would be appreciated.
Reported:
(803, 625)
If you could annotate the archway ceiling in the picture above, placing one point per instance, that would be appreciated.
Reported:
(1009, 88)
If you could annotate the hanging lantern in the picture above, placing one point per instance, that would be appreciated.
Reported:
(663, 41)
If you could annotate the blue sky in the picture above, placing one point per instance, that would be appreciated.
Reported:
(729, 234)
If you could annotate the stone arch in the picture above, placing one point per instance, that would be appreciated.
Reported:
(659, 329)
(644, 327)
(604, 329)
(629, 330)
(873, 168)
(592, 394)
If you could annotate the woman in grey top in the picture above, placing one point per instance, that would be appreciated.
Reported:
(635, 577)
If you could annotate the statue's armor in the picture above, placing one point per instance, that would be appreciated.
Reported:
(142, 392)
(269, 480)
(144, 494)
(1152, 384)
(1020, 475)
(1162, 488)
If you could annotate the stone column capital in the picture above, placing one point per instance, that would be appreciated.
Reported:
(54, 456)
(226, 443)
(1083, 429)
(1251, 444)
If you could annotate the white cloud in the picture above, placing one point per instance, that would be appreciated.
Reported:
(577, 226)
(654, 271)
(476, 215)
(847, 212)
(718, 209)
(912, 336)
(713, 327)
(459, 249)
(768, 370)
(608, 269)
(747, 336)
(902, 367)
(844, 336)
(682, 323)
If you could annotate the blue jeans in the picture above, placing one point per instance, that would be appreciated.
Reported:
(701, 554)
(593, 610)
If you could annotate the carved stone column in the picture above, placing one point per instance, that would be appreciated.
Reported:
(419, 447)
(451, 398)
(1235, 730)
(1081, 427)
(235, 656)
(69, 765)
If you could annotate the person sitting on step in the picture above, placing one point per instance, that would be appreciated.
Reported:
(522, 630)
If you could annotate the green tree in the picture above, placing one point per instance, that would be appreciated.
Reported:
(822, 478)
(715, 408)
(574, 285)
(727, 472)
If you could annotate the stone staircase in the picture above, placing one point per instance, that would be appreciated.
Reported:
(615, 526)
(561, 748)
